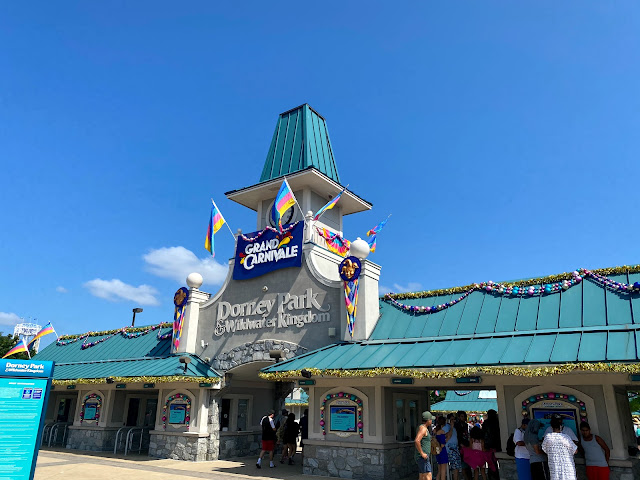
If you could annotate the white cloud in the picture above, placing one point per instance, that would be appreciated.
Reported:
(178, 262)
(10, 319)
(397, 288)
(115, 290)
(61, 289)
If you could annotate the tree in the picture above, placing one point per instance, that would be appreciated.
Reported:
(7, 342)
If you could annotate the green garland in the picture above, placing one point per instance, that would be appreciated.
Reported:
(520, 283)
(599, 367)
(164, 379)
(111, 332)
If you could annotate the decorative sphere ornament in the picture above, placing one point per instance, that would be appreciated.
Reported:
(572, 398)
(194, 280)
(359, 248)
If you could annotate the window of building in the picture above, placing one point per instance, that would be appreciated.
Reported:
(406, 416)
(235, 413)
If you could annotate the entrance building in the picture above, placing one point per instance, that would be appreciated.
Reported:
(567, 343)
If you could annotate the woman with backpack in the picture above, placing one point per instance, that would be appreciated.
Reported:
(538, 462)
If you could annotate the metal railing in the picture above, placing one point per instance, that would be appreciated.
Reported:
(128, 448)
(119, 439)
(51, 432)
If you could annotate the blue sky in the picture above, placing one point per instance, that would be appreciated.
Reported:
(502, 136)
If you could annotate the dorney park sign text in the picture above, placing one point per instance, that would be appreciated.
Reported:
(284, 311)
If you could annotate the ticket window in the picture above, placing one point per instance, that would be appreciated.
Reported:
(141, 411)
(235, 413)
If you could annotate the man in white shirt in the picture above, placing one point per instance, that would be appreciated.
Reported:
(567, 431)
(522, 454)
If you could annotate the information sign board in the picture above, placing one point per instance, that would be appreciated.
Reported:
(24, 392)
(342, 418)
(177, 412)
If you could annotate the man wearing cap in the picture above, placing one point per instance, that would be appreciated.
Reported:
(423, 447)
(522, 454)
(268, 438)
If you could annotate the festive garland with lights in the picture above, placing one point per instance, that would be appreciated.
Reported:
(177, 396)
(270, 229)
(517, 290)
(582, 408)
(98, 399)
(346, 396)
(598, 367)
(462, 394)
(521, 283)
(146, 379)
(126, 332)
(335, 243)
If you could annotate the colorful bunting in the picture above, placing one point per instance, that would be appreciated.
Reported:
(335, 243)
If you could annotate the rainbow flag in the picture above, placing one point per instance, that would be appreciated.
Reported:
(375, 230)
(216, 221)
(330, 205)
(283, 202)
(20, 347)
(373, 241)
(46, 330)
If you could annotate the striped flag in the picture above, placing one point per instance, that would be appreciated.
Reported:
(46, 330)
(330, 205)
(216, 221)
(283, 202)
(20, 347)
(375, 230)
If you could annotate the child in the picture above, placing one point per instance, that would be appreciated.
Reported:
(475, 455)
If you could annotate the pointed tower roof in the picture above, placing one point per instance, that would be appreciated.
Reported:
(301, 140)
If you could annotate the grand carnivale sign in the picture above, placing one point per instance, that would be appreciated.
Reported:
(263, 252)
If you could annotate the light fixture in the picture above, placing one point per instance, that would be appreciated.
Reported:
(186, 361)
(135, 310)
(276, 355)
(109, 380)
(305, 373)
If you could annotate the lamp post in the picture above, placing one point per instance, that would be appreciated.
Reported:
(135, 310)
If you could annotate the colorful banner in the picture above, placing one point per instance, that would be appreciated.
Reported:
(180, 302)
(349, 270)
(262, 252)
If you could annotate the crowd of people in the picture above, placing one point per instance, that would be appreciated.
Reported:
(281, 433)
(467, 449)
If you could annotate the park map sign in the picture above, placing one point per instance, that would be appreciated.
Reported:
(24, 391)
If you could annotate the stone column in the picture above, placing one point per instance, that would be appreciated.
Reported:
(188, 340)
(213, 426)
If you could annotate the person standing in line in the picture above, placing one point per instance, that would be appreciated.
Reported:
(453, 451)
(563, 429)
(268, 438)
(491, 432)
(596, 454)
(522, 454)
(537, 458)
(560, 449)
(289, 438)
(442, 458)
(422, 443)
(304, 428)
(462, 430)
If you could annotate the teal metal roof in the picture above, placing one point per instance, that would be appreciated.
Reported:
(586, 323)
(301, 140)
(118, 356)
(467, 401)
(586, 305)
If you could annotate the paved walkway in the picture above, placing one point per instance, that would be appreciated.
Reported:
(62, 464)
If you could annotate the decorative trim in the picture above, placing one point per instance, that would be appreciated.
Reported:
(533, 399)
(170, 399)
(346, 396)
(126, 332)
(164, 379)
(520, 371)
(98, 399)
(559, 278)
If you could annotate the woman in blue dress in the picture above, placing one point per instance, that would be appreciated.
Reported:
(442, 458)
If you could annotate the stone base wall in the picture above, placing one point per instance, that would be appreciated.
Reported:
(244, 445)
(359, 462)
(508, 471)
(178, 447)
(95, 440)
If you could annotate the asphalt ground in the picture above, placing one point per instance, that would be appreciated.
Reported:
(65, 464)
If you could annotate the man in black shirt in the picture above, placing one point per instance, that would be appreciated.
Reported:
(462, 430)
(268, 438)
